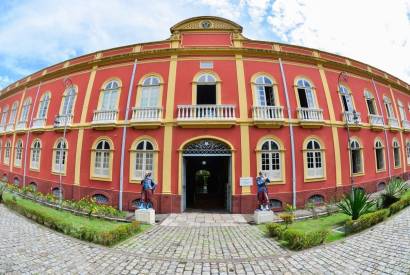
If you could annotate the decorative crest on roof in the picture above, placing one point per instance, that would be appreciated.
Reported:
(206, 23)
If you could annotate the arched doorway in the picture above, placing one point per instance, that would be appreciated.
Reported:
(206, 181)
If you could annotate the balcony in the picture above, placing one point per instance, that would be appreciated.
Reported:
(310, 118)
(10, 127)
(21, 126)
(268, 116)
(376, 122)
(405, 124)
(146, 117)
(104, 119)
(38, 124)
(206, 116)
(354, 120)
(393, 124)
(63, 121)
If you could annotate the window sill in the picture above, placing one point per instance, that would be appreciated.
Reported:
(58, 173)
(276, 182)
(35, 169)
(381, 171)
(101, 178)
(314, 179)
(358, 174)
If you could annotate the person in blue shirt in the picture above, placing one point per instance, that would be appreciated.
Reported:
(148, 187)
(262, 192)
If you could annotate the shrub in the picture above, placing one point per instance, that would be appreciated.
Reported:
(366, 221)
(2, 187)
(393, 191)
(275, 230)
(356, 204)
(298, 240)
(312, 207)
(399, 205)
(287, 218)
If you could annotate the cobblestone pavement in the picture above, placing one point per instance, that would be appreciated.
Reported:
(204, 219)
(26, 247)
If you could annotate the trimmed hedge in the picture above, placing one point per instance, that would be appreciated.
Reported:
(399, 205)
(275, 230)
(367, 220)
(77, 227)
(298, 240)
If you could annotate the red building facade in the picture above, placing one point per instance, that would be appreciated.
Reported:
(204, 111)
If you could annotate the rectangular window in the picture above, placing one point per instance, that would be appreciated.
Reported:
(206, 65)
(379, 159)
(396, 157)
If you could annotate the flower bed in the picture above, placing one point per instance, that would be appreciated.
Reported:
(89, 229)
(85, 207)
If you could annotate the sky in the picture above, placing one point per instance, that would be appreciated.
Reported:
(39, 33)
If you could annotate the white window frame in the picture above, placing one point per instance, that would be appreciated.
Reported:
(355, 146)
(261, 83)
(110, 96)
(18, 154)
(60, 156)
(43, 106)
(13, 113)
(346, 95)
(144, 159)
(7, 152)
(150, 92)
(314, 160)
(303, 84)
(25, 110)
(396, 154)
(379, 146)
(271, 158)
(35, 155)
(68, 101)
(102, 159)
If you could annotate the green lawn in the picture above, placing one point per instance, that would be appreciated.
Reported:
(66, 219)
(406, 195)
(326, 222)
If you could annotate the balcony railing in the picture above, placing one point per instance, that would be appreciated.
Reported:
(405, 124)
(353, 119)
(63, 120)
(39, 123)
(206, 112)
(310, 114)
(9, 127)
(376, 120)
(267, 112)
(21, 125)
(393, 122)
(146, 113)
(104, 116)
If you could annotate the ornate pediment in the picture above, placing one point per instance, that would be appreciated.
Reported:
(206, 23)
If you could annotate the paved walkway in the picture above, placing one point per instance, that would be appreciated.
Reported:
(204, 219)
(26, 247)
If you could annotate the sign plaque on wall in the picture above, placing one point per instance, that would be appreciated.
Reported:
(246, 181)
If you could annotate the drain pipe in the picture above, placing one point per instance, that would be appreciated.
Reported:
(124, 136)
(292, 140)
(384, 129)
(28, 135)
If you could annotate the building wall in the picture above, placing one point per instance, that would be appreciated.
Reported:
(178, 73)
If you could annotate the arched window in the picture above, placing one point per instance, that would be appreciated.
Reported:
(56, 192)
(25, 110)
(110, 96)
(18, 153)
(408, 152)
(271, 160)
(68, 101)
(314, 160)
(60, 156)
(305, 93)
(389, 107)
(379, 151)
(275, 204)
(402, 111)
(102, 159)
(346, 99)
(100, 199)
(13, 113)
(371, 105)
(35, 155)
(4, 116)
(43, 106)
(396, 153)
(7, 149)
(264, 91)
(206, 90)
(316, 199)
(33, 186)
(150, 92)
(144, 159)
(356, 157)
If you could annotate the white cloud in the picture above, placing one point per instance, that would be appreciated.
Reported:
(374, 32)
(4, 80)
